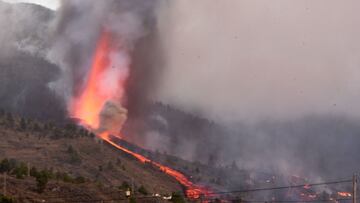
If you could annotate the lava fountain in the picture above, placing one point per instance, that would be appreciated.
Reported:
(105, 82)
(104, 89)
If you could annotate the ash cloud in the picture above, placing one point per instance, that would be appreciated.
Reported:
(281, 77)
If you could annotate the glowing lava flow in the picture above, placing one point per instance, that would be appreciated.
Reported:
(344, 194)
(192, 191)
(88, 105)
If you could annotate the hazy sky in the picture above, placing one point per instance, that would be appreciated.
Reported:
(53, 4)
(244, 59)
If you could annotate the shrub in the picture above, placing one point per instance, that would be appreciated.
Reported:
(20, 171)
(23, 125)
(132, 200)
(125, 186)
(177, 198)
(142, 190)
(34, 172)
(74, 155)
(4, 165)
(41, 181)
(5, 199)
(79, 180)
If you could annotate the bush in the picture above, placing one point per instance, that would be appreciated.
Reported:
(79, 180)
(5, 199)
(41, 181)
(125, 186)
(20, 171)
(142, 190)
(10, 120)
(177, 198)
(36, 127)
(34, 172)
(4, 165)
(66, 178)
(132, 200)
(74, 155)
(23, 125)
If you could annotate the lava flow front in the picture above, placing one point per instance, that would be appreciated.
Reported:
(89, 106)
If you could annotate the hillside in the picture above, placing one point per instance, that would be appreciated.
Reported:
(99, 168)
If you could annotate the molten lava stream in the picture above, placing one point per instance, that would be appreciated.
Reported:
(193, 191)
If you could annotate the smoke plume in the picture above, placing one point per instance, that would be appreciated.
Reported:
(281, 76)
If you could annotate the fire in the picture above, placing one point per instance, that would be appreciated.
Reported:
(89, 104)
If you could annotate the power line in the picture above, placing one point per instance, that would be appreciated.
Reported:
(281, 187)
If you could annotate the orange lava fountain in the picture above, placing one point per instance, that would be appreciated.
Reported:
(89, 104)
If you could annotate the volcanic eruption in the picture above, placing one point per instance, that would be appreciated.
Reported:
(99, 105)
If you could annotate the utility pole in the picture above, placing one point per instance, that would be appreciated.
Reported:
(354, 195)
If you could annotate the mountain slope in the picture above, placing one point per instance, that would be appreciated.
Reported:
(74, 151)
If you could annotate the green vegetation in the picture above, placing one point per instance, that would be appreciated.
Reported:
(5, 199)
(43, 129)
(23, 125)
(20, 170)
(142, 190)
(125, 186)
(14, 167)
(177, 198)
(132, 200)
(74, 156)
(68, 179)
(33, 172)
(41, 181)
